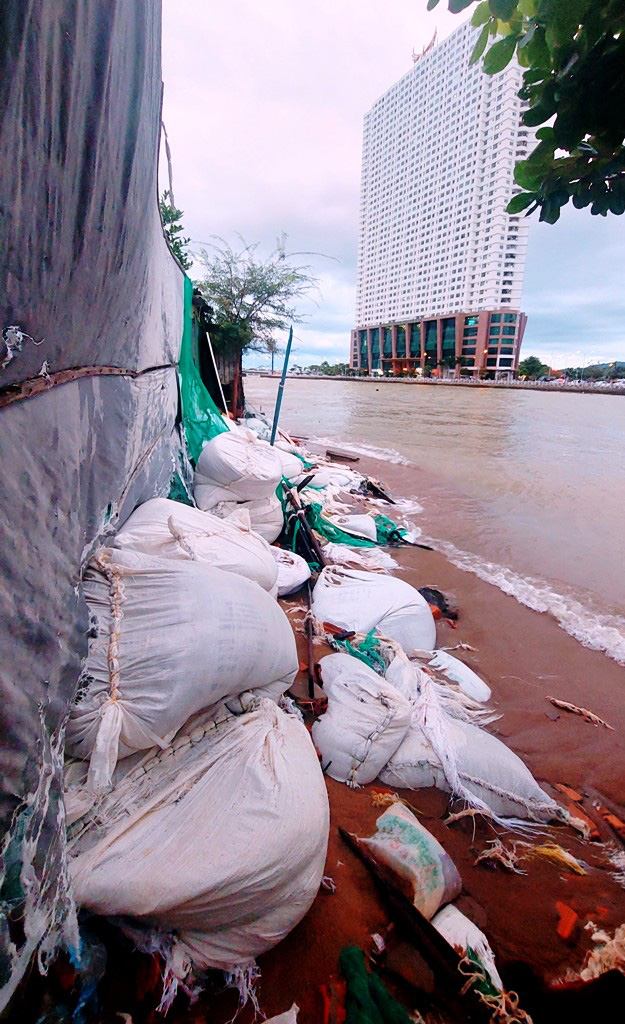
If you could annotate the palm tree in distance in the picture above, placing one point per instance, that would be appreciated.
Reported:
(272, 347)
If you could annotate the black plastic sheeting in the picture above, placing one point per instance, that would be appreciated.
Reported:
(85, 271)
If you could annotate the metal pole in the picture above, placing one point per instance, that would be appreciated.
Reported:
(221, 390)
(285, 367)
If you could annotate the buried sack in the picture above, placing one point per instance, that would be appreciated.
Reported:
(293, 571)
(172, 638)
(218, 842)
(365, 722)
(355, 599)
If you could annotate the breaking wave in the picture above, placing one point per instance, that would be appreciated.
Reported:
(370, 450)
(604, 633)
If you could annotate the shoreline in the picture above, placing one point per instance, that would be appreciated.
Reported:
(525, 657)
(590, 389)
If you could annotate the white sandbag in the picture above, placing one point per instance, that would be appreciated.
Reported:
(335, 476)
(486, 767)
(425, 872)
(364, 724)
(362, 558)
(219, 841)
(239, 463)
(356, 525)
(292, 467)
(293, 570)
(169, 529)
(459, 673)
(173, 638)
(265, 515)
(358, 600)
(463, 935)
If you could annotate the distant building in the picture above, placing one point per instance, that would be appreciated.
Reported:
(440, 263)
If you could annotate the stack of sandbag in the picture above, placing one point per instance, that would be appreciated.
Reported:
(364, 724)
(169, 529)
(293, 571)
(218, 842)
(423, 869)
(169, 638)
(354, 599)
(236, 469)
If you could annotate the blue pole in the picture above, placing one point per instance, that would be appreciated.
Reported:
(285, 367)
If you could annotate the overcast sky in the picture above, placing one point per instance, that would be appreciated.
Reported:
(263, 106)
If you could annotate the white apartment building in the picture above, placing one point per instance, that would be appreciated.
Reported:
(439, 149)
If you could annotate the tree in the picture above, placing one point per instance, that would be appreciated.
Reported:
(531, 368)
(253, 298)
(573, 53)
(273, 348)
(172, 226)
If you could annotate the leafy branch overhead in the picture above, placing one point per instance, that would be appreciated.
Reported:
(171, 218)
(253, 298)
(573, 56)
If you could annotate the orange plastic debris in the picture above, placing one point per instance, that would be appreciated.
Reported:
(571, 793)
(614, 822)
(568, 920)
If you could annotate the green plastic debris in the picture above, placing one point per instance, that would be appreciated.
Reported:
(367, 1000)
(366, 650)
(387, 532)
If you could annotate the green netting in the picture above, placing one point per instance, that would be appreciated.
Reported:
(366, 650)
(387, 532)
(367, 1000)
(201, 417)
(178, 491)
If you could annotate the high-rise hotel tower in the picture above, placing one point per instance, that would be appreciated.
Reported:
(440, 262)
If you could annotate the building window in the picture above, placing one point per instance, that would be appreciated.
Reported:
(496, 318)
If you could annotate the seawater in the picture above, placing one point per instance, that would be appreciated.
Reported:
(527, 488)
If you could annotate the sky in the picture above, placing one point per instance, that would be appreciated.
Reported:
(263, 105)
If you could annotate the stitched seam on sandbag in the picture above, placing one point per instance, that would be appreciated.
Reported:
(368, 745)
(529, 804)
(116, 596)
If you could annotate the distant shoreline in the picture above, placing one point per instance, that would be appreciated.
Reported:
(585, 388)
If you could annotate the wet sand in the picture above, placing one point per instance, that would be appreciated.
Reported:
(525, 657)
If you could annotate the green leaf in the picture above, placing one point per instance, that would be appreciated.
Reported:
(537, 115)
(480, 46)
(545, 134)
(538, 51)
(616, 203)
(499, 55)
(528, 8)
(503, 9)
(521, 202)
(549, 212)
(481, 14)
(432, 4)
(527, 177)
(455, 6)
(523, 59)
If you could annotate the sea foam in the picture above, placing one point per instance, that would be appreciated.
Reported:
(599, 632)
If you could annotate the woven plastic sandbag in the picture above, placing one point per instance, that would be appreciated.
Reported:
(168, 529)
(238, 464)
(355, 599)
(172, 638)
(219, 842)
(365, 722)
(485, 766)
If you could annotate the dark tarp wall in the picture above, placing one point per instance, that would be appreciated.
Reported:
(85, 271)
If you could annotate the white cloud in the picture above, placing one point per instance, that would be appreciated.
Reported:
(263, 105)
